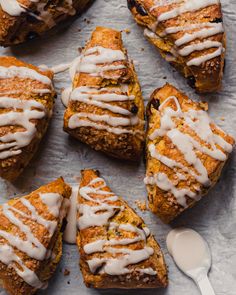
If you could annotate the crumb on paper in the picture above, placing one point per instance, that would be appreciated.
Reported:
(222, 118)
(141, 205)
(204, 105)
(66, 272)
(127, 31)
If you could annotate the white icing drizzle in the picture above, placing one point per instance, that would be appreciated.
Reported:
(99, 215)
(31, 246)
(200, 123)
(89, 216)
(92, 59)
(186, 6)
(97, 97)
(23, 111)
(204, 30)
(71, 229)
(23, 73)
(163, 182)
(14, 8)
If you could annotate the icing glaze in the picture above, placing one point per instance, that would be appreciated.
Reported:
(199, 122)
(23, 73)
(23, 111)
(71, 228)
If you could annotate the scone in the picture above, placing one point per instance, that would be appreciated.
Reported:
(185, 152)
(116, 248)
(31, 238)
(22, 20)
(189, 35)
(105, 108)
(26, 102)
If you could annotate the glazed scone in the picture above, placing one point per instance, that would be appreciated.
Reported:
(26, 103)
(105, 108)
(189, 34)
(116, 248)
(22, 20)
(31, 238)
(185, 152)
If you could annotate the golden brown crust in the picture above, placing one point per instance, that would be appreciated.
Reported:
(23, 89)
(125, 145)
(163, 203)
(134, 279)
(26, 26)
(204, 78)
(10, 280)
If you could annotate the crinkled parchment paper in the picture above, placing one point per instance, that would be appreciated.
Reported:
(214, 217)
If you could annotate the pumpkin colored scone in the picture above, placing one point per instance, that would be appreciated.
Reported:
(26, 103)
(116, 248)
(31, 238)
(105, 108)
(185, 152)
(23, 20)
(189, 34)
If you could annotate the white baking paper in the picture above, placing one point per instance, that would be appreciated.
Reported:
(214, 217)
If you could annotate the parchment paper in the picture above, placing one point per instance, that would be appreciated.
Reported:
(214, 217)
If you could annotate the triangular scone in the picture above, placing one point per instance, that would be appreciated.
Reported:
(26, 102)
(105, 107)
(116, 248)
(189, 34)
(31, 238)
(25, 20)
(186, 152)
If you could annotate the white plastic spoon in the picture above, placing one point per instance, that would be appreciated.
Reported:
(192, 256)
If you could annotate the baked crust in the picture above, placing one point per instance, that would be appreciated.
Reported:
(31, 23)
(116, 135)
(43, 269)
(205, 76)
(111, 231)
(161, 151)
(22, 89)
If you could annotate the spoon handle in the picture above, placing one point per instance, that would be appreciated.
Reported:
(205, 286)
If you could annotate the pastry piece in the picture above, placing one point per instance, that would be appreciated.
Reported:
(116, 248)
(23, 20)
(26, 102)
(31, 238)
(186, 152)
(189, 34)
(105, 107)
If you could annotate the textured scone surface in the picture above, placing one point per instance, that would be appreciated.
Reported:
(30, 237)
(189, 35)
(185, 151)
(31, 19)
(26, 101)
(106, 109)
(116, 248)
